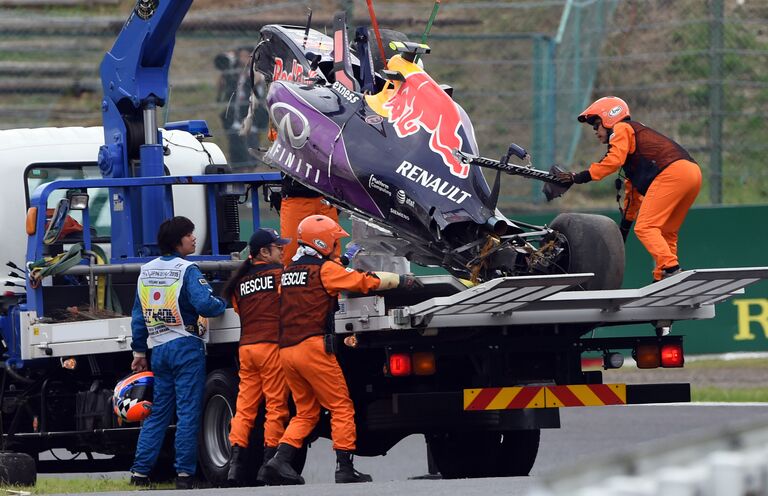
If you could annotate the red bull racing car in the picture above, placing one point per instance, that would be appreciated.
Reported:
(390, 145)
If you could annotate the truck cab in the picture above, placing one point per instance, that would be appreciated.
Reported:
(35, 157)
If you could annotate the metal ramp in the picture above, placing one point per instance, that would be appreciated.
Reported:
(699, 287)
(533, 300)
(499, 296)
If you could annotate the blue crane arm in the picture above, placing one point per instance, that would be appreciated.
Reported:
(134, 78)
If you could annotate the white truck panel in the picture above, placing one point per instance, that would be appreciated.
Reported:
(20, 148)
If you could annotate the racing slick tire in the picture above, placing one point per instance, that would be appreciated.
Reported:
(17, 469)
(594, 244)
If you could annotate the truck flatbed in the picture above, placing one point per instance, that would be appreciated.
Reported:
(509, 301)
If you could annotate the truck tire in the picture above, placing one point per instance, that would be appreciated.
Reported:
(594, 245)
(219, 402)
(214, 451)
(460, 455)
(17, 469)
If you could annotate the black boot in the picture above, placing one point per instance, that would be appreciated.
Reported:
(236, 467)
(345, 471)
(278, 471)
(269, 453)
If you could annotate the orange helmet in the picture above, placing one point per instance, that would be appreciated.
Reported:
(610, 110)
(132, 398)
(320, 232)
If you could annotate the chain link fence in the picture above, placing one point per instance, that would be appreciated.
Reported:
(694, 70)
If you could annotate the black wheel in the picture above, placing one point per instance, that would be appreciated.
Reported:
(17, 469)
(219, 402)
(594, 245)
(461, 455)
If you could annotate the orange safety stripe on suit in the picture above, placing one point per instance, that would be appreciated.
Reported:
(316, 379)
(261, 375)
(293, 210)
(661, 212)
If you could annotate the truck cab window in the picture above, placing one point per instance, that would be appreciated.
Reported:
(98, 207)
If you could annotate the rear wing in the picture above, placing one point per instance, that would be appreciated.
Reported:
(533, 300)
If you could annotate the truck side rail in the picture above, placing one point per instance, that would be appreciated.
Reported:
(39, 199)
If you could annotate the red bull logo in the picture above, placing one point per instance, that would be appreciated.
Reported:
(421, 103)
(297, 73)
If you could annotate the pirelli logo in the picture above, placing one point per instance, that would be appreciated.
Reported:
(510, 398)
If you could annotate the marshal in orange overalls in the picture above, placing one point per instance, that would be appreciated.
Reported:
(255, 293)
(662, 180)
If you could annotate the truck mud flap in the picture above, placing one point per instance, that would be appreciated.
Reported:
(574, 395)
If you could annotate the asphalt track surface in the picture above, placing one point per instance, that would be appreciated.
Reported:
(587, 434)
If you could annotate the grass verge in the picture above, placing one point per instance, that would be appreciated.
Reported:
(747, 395)
(51, 485)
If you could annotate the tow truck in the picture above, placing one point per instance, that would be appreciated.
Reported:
(478, 369)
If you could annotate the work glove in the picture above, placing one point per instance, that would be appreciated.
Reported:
(624, 227)
(565, 177)
(409, 282)
(554, 190)
(352, 250)
(574, 177)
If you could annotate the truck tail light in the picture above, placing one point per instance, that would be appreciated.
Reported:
(424, 363)
(31, 220)
(400, 364)
(647, 356)
(672, 355)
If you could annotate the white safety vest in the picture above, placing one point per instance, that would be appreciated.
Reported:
(159, 288)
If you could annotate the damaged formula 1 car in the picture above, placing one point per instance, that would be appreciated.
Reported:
(390, 145)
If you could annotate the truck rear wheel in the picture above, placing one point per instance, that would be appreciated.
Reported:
(594, 245)
(219, 402)
(461, 455)
(17, 469)
(214, 450)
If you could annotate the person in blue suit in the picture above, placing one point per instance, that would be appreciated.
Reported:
(171, 296)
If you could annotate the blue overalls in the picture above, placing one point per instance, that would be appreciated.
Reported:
(179, 368)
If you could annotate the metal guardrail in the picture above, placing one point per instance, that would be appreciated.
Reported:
(730, 462)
